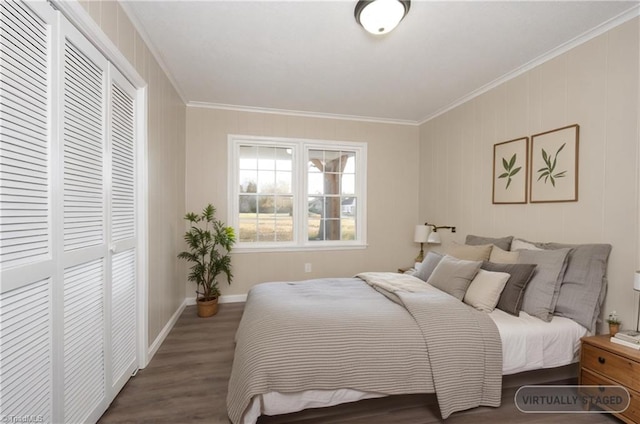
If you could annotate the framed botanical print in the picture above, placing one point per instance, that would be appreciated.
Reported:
(510, 159)
(553, 172)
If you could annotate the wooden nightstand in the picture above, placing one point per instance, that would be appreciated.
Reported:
(606, 363)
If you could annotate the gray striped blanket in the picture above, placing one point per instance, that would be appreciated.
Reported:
(342, 333)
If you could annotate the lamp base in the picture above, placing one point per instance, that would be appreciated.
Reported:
(638, 313)
(420, 256)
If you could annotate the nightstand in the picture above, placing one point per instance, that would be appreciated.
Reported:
(606, 363)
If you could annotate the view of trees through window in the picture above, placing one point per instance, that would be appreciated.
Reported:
(332, 201)
(266, 196)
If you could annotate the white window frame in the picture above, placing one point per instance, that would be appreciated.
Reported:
(300, 154)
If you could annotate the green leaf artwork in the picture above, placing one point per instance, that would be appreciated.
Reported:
(547, 172)
(510, 171)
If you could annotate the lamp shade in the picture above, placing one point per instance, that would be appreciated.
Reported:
(636, 281)
(380, 16)
(434, 238)
(421, 234)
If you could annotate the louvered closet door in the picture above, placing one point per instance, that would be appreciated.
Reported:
(85, 250)
(122, 136)
(68, 256)
(26, 259)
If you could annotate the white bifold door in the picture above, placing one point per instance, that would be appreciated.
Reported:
(68, 231)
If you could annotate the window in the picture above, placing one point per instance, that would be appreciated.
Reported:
(266, 194)
(289, 194)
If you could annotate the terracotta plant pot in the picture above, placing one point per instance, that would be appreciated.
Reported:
(613, 329)
(207, 308)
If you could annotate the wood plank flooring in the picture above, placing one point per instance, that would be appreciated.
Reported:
(186, 382)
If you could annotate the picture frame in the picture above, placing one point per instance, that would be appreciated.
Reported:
(510, 171)
(553, 172)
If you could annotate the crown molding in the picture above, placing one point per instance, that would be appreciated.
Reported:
(626, 16)
(137, 25)
(273, 111)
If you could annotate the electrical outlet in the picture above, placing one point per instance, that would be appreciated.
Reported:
(307, 267)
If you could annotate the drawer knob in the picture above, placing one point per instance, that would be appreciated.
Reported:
(601, 359)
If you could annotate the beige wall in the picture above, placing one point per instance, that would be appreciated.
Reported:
(166, 161)
(594, 85)
(392, 191)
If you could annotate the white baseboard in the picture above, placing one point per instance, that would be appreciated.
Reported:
(165, 332)
(232, 298)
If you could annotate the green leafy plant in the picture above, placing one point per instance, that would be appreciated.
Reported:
(209, 241)
(547, 172)
(510, 170)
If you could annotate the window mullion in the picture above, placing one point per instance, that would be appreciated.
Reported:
(301, 195)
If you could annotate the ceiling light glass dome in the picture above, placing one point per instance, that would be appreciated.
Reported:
(380, 16)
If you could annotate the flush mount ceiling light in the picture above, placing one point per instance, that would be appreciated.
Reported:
(380, 16)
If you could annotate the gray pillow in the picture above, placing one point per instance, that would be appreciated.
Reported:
(511, 298)
(542, 292)
(428, 264)
(426, 267)
(503, 243)
(453, 275)
(584, 283)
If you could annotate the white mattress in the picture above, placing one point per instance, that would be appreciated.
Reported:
(528, 343)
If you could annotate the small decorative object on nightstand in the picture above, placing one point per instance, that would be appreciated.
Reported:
(614, 323)
(609, 364)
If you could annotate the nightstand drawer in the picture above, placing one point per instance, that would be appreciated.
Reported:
(632, 413)
(617, 368)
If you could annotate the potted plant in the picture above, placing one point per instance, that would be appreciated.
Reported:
(209, 242)
(614, 323)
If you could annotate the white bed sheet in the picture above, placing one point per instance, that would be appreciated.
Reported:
(528, 343)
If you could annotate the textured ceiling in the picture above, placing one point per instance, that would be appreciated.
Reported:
(312, 57)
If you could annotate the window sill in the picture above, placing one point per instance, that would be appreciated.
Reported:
(274, 249)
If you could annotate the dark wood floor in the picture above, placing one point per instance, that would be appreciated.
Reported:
(186, 382)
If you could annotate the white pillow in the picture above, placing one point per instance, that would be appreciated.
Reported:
(485, 289)
(519, 244)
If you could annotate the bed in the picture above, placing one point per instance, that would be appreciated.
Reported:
(323, 342)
